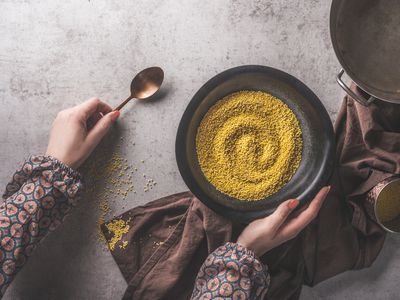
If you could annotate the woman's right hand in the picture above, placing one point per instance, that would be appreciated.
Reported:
(77, 130)
(265, 234)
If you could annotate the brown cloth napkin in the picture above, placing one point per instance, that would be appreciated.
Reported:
(170, 238)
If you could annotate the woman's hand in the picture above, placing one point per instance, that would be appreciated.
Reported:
(76, 131)
(265, 234)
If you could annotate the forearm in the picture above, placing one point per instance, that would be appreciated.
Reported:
(231, 271)
(36, 201)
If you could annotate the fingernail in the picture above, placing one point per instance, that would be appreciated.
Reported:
(115, 115)
(293, 203)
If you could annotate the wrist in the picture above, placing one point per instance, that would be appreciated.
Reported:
(252, 246)
(61, 159)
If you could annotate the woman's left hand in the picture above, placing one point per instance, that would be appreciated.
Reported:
(76, 131)
(265, 234)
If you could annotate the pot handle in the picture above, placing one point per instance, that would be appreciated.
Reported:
(358, 98)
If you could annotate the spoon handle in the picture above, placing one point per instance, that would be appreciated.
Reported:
(123, 103)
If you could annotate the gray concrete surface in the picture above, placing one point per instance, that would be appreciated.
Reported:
(54, 54)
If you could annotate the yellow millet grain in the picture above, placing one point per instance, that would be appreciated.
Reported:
(104, 210)
(388, 202)
(106, 179)
(109, 178)
(118, 228)
(103, 174)
(123, 245)
(249, 145)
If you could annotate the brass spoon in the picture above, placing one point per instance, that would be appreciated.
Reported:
(145, 84)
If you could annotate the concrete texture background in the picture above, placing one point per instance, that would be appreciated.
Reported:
(55, 54)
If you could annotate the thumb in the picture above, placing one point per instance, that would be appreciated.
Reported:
(282, 212)
(100, 129)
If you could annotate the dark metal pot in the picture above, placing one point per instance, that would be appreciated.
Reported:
(366, 38)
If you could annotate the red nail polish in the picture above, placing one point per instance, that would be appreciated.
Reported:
(293, 203)
(115, 115)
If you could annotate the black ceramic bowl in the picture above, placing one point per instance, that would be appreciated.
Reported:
(318, 140)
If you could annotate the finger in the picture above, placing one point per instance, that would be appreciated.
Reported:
(298, 212)
(92, 106)
(100, 129)
(297, 224)
(93, 120)
(281, 213)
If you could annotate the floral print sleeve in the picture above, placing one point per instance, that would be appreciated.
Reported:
(39, 196)
(231, 272)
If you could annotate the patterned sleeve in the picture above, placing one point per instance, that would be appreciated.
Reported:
(37, 199)
(231, 272)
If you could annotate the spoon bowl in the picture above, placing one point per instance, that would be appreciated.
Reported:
(145, 84)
